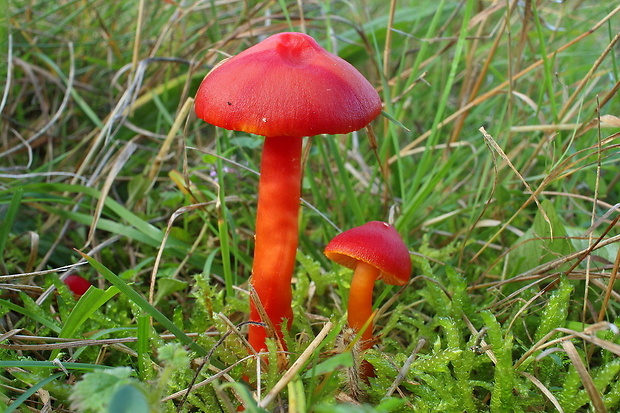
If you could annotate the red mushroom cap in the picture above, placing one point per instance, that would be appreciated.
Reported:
(287, 85)
(78, 285)
(375, 243)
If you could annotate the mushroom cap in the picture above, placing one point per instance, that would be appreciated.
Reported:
(376, 243)
(77, 284)
(287, 85)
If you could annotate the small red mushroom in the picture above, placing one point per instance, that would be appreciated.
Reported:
(78, 285)
(374, 251)
(283, 88)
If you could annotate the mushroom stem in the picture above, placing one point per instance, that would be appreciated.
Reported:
(279, 189)
(360, 300)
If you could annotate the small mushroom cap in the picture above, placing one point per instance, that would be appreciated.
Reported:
(78, 285)
(287, 85)
(375, 243)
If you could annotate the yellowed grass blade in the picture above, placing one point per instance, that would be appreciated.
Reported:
(586, 379)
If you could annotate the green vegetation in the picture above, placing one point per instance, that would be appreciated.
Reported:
(497, 161)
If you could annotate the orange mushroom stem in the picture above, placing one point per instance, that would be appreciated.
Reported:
(360, 300)
(276, 234)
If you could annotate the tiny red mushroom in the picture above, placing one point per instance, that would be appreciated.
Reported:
(374, 251)
(78, 285)
(283, 88)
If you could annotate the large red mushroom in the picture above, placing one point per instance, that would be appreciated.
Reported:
(283, 88)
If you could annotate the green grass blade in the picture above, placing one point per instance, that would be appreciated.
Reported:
(143, 304)
(51, 365)
(32, 390)
(93, 299)
(222, 225)
(30, 314)
(7, 222)
(144, 330)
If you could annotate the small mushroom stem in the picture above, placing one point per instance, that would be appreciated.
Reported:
(360, 300)
(279, 189)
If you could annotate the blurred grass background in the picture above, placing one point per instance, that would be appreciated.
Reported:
(512, 228)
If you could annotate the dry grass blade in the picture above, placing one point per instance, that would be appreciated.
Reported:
(34, 250)
(66, 343)
(588, 335)
(9, 73)
(231, 329)
(538, 271)
(610, 287)
(160, 252)
(388, 40)
(297, 365)
(42, 339)
(235, 330)
(61, 109)
(512, 296)
(604, 344)
(487, 204)
(535, 297)
(35, 273)
(21, 287)
(611, 208)
(118, 164)
(165, 147)
(593, 217)
(380, 311)
(594, 244)
(563, 126)
(220, 373)
(481, 344)
(586, 379)
(73, 344)
(402, 373)
(491, 142)
(269, 327)
(10, 334)
(138, 32)
(544, 390)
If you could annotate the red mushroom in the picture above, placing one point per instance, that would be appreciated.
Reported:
(376, 252)
(284, 88)
(78, 285)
